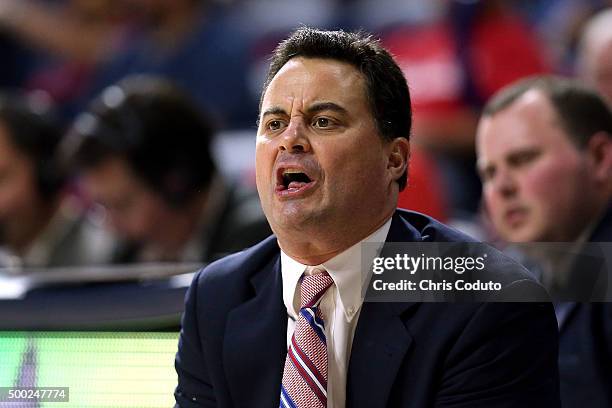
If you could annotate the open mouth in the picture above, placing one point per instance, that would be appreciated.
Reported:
(292, 181)
(515, 217)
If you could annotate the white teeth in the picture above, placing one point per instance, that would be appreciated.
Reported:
(291, 171)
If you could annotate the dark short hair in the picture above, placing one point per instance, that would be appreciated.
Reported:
(34, 130)
(581, 111)
(155, 128)
(386, 87)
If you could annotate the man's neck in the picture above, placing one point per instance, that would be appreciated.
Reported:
(320, 246)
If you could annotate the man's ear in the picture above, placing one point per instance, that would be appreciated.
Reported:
(599, 149)
(399, 156)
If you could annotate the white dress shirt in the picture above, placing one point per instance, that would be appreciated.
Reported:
(340, 306)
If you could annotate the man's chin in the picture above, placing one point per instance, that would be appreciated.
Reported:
(296, 218)
(523, 235)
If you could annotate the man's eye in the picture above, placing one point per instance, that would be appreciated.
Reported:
(523, 158)
(487, 174)
(274, 124)
(321, 122)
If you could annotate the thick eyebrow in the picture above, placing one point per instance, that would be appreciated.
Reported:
(275, 110)
(326, 106)
(523, 154)
(314, 108)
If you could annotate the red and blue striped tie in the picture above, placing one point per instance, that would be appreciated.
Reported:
(305, 374)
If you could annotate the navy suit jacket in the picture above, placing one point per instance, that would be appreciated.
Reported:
(585, 345)
(232, 345)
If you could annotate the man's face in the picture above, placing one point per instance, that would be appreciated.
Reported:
(133, 210)
(320, 160)
(19, 196)
(536, 183)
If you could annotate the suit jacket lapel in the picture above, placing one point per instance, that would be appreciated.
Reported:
(601, 233)
(255, 344)
(381, 340)
(379, 347)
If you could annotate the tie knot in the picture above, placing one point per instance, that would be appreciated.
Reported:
(313, 287)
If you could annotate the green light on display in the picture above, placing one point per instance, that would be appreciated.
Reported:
(100, 369)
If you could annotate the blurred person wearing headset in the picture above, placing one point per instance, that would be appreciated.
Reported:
(144, 152)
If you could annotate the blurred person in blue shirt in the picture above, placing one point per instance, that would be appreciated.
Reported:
(194, 44)
(55, 46)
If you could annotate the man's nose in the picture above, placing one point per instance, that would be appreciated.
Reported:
(294, 138)
(505, 184)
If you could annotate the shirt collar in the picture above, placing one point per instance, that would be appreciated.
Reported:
(344, 269)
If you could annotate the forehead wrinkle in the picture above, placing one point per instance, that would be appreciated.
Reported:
(280, 97)
(274, 110)
(297, 76)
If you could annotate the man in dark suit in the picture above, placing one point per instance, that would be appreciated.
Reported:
(545, 156)
(284, 323)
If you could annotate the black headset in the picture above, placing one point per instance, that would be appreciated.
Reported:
(156, 128)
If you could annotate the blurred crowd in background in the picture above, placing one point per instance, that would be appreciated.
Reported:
(110, 111)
